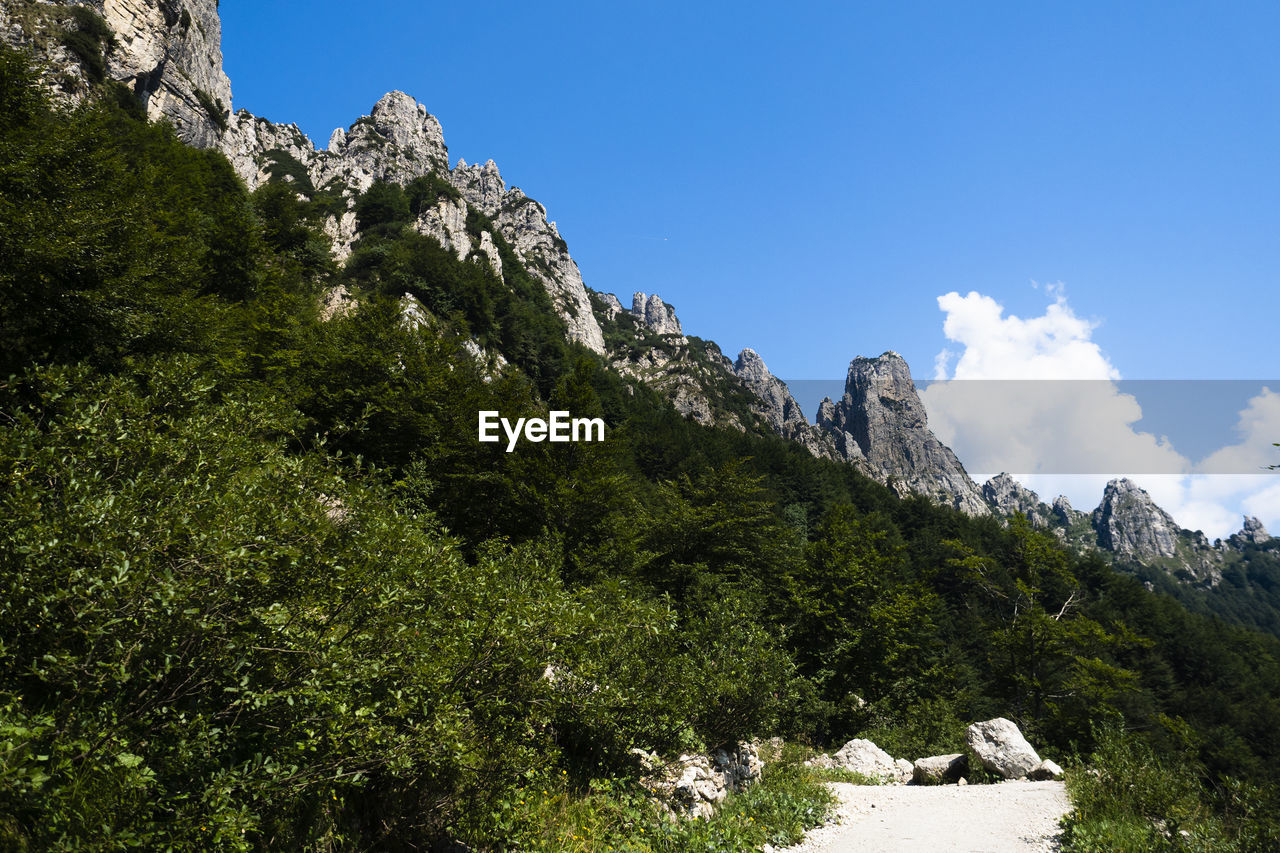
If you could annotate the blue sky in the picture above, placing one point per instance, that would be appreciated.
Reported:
(808, 179)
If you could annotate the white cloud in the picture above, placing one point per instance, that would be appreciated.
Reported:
(1064, 437)
(1043, 423)
(1056, 345)
(1258, 427)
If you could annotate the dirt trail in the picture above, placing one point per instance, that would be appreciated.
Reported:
(1011, 817)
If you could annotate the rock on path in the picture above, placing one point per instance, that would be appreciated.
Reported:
(1011, 817)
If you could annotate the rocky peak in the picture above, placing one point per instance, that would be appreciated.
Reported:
(1130, 524)
(882, 415)
(655, 314)
(1253, 533)
(1063, 513)
(398, 141)
(1008, 497)
(612, 306)
(481, 186)
(778, 408)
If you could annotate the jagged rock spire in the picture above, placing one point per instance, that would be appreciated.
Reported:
(882, 415)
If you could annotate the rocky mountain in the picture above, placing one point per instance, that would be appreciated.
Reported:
(881, 425)
(1128, 525)
(779, 409)
(167, 54)
(1008, 497)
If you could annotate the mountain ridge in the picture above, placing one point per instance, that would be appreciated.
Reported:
(170, 59)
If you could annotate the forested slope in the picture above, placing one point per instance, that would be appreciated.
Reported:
(261, 588)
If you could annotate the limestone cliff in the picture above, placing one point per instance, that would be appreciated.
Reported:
(1007, 496)
(778, 408)
(167, 52)
(882, 417)
(1130, 524)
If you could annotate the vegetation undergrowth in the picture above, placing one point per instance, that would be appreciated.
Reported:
(261, 588)
(620, 814)
(1130, 799)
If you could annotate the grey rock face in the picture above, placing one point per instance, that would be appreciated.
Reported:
(881, 412)
(655, 314)
(398, 142)
(1046, 771)
(1000, 746)
(524, 225)
(169, 54)
(1063, 514)
(170, 59)
(1129, 523)
(846, 445)
(778, 408)
(1008, 496)
(693, 786)
(612, 307)
(939, 769)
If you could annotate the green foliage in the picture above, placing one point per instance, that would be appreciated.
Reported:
(425, 192)
(548, 814)
(1132, 799)
(283, 166)
(214, 108)
(384, 205)
(89, 40)
(261, 588)
(115, 235)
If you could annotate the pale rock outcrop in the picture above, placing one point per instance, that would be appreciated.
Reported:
(167, 53)
(612, 305)
(1008, 497)
(481, 186)
(882, 415)
(1130, 524)
(846, 444)
(779, 409)
(940, 769)
(524, 225)
(490, 250)
(693, 786)
(413, 315)
(1000, 746)
(863, 756)
(1064, 515)
(1046, 771)
(336, 303)
(1253, 533)
(170, 54)
(655, 314)
(249, 140)
(447, 224)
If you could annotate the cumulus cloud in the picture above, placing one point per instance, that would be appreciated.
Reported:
(1056, 345)
(1066, 427)
(1037, 395)
(1258, 427)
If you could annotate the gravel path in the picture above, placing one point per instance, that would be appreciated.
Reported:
(1011, 817)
